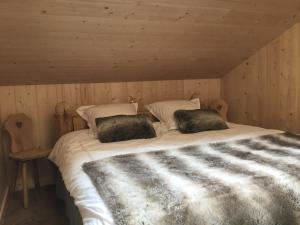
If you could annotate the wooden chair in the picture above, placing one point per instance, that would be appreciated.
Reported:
(22, 151)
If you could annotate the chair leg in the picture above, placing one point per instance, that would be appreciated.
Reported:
(13, 188)
(25, 187)
(36, 174)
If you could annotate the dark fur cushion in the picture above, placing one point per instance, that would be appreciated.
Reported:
(193, 121)
(123, 128)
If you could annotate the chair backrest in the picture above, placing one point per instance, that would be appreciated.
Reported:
(19, 128)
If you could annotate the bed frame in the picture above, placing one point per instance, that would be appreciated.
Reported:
(67, 119)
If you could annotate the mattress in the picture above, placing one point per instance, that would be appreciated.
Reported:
(77, 148)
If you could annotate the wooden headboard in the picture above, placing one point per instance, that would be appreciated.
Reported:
(67, 120)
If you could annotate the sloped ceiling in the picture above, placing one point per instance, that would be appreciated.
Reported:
(69, 41)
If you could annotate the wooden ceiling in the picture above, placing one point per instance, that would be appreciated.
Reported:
(70, 41)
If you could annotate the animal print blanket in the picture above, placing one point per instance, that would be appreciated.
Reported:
(245, 182)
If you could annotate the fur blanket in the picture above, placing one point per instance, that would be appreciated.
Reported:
(245, 182)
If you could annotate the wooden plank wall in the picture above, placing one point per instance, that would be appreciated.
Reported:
(264, 90)
(38, 101)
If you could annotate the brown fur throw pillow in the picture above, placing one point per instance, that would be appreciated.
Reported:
(123, 128)
(193, 121)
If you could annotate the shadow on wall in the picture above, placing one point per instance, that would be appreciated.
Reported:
(3, 169)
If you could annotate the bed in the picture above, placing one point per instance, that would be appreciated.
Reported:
(77, 148)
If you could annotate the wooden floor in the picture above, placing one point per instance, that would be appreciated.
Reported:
(44, 209)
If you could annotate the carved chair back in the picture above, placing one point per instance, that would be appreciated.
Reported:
(19, 128)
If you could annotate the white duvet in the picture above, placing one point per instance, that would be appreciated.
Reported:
(76, 148)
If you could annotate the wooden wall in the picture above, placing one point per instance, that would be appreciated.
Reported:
(265, 89)
(38, 101)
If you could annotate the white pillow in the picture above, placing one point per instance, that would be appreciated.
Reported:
(92, 112)
(164, 111)
(82, 109)
(160, 128)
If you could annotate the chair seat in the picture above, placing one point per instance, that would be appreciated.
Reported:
(30, 154)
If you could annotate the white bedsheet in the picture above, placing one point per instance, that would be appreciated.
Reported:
(76, 148)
